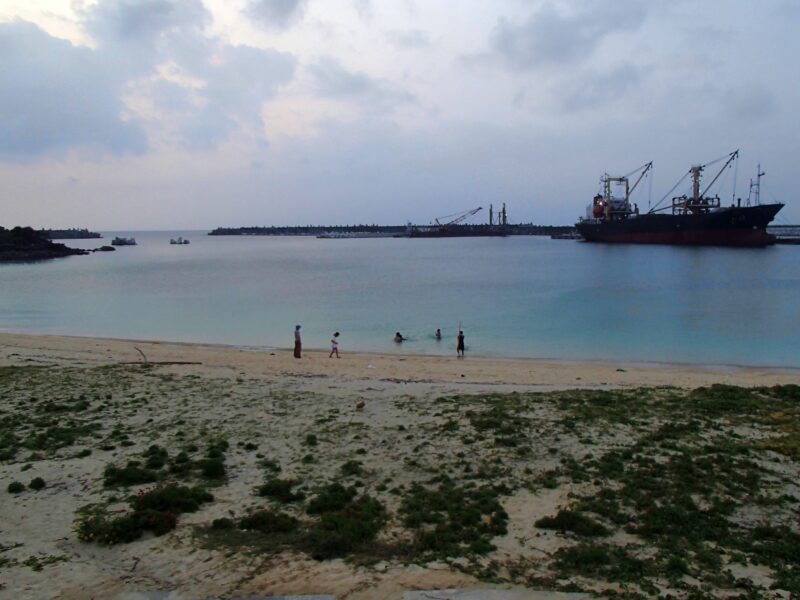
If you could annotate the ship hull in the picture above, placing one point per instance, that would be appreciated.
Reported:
(457, 231)
(729, 226)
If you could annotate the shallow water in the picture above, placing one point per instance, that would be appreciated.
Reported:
(515, 296)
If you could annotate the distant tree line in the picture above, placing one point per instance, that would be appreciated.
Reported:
(70, 234)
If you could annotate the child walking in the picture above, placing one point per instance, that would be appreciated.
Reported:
(334, 346)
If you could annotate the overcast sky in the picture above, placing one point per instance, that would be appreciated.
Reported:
(192, 114)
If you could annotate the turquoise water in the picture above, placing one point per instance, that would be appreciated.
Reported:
(515, 296)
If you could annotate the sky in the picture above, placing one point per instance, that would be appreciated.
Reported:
(193, 114)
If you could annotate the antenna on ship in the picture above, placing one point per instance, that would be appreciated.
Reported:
(755, 187)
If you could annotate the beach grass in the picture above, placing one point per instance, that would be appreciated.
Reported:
(627, 493)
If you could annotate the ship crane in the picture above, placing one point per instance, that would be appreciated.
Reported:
(458, 217)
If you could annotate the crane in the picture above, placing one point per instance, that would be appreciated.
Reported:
(458, 217)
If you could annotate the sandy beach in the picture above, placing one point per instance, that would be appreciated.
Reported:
(376, 423)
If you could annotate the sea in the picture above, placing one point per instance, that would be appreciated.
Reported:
(518, 296)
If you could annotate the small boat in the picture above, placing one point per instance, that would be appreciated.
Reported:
(179, 241)
(569, 235)
(121, 241)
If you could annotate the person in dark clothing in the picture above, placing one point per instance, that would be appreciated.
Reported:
(298, 343)
(460, 344)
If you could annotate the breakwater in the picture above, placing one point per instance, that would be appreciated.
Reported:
(382, 230)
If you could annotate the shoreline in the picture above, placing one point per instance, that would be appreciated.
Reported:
(722, 366)
(264, 362)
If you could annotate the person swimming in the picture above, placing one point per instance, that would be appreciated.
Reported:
(398, 338)
(438, 334)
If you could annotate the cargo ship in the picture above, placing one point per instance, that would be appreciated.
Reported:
(455, 228)
(698, 219)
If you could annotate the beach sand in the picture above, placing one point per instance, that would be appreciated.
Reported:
(265, 404)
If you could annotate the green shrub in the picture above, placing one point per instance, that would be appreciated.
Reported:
(155, 510)
(281, 490)
(155, 457)
(331, 498)
(267, 521)
(351, 467)
(223, 523)
(157, 521)
(216, 450)
(97, 526)
(37, 483)
(576, 522)
(15, 487)
(453, 521)
(342, 532)
(132, 474)
(212, 468)
(171, 498)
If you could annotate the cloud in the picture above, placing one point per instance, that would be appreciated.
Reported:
(409, 39)
(276, 14)
(551, 36)
(364, 9)
(747, 103)
(237, 83)
(595, 89)
(143, 21)
(153, 69)
(332, 80)
(55, 96)
(136, 34)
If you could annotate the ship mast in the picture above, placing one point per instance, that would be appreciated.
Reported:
(755, 187)
(695, 172)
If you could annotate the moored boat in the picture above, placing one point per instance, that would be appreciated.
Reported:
(455, 227)
(122, 241)
(698, 219)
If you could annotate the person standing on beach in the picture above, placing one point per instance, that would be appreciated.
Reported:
(334, 345)
(298, 343)
(460, 344)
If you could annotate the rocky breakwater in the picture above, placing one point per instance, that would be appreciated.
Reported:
(24, 243)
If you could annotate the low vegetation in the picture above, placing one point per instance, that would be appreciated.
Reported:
(633, 493)
(155, 510)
